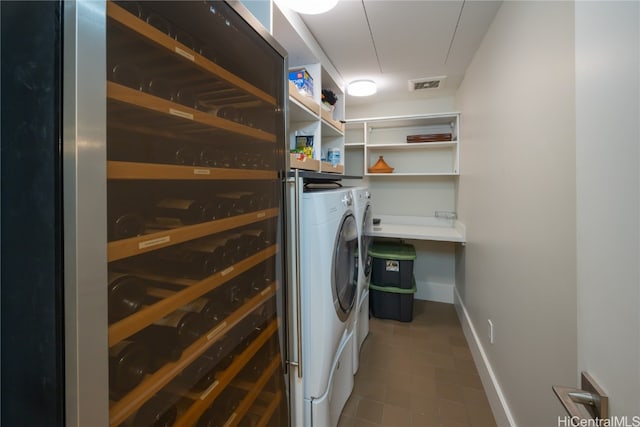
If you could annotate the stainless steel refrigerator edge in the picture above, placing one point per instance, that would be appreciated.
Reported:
(85, 206)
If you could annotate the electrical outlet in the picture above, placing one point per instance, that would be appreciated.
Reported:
(491, 336)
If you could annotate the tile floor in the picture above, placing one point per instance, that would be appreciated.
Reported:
(417, 374)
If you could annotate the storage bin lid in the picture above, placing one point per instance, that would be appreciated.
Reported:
(394, 290)
(390, 250)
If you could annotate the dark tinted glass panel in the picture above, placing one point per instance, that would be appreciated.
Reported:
(195, 151)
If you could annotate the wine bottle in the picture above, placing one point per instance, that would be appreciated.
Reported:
(227, 113)
(209, 52)
(216, 158)
(187, 96)
(233, 294)
(166, 338)
(267, 161)
(255, 239)
(244, 201)
(131, 6)
(209, 157)
(264, 277)
(159, 411)
(222, 353)
(221, 409)
(185, 261)
(236, 247)
(123, 225)
(223, 208)
(250, 420)
(257, 365)
(160, 23)
(260, 119)
(126, 295)
(162, 347)
(263, 201)
(128, 75)
(178, 154)
(205, 380)
(124, 147)
(251, 283)
(244, 329)
(187, 326)
(128, 364)
(213, 311)
(177, 212)
(197, 375)
(185, 38)
(214, 246)
(162, 88)
(248, 161)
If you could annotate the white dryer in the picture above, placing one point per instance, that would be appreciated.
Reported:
(364, 217)
(329, 279)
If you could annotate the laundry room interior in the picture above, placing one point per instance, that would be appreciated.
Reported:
(492, 214)
(321, 213)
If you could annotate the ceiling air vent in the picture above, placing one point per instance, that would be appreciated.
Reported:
(427, 83)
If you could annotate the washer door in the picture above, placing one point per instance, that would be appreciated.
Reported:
(345, 267)
(367, 239)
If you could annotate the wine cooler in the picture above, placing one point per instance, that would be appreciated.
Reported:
(174, 167)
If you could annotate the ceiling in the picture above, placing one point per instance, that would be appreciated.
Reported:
(392, 41)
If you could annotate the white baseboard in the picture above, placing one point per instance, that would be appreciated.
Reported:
(496, 398)
(437, 292)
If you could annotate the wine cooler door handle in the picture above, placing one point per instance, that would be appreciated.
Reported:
(297, 189)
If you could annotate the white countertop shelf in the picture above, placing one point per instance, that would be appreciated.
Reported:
(420, 228)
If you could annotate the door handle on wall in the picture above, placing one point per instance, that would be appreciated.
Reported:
(590, 402)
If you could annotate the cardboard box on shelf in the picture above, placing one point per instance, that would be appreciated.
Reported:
(303, 81)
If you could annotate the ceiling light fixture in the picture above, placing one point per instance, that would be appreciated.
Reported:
(362, 88)
(310, 7)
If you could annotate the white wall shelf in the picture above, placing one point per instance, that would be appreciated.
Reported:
(387, 137)
(412, 146)
(400, 174)
(306, 114)
(301, 108)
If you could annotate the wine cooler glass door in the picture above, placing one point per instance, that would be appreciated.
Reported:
(195, 156)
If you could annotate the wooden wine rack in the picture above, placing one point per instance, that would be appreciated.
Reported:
(182, 52)
(189, 119)
(126, 406)
(125, 248)
(131, 170)
(138, 112)
(208, 396)
(145, 317)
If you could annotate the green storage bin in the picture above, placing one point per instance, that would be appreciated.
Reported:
(394, 303)
(392, 264)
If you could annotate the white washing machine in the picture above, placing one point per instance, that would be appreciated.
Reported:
(364, 217)
(329, 247)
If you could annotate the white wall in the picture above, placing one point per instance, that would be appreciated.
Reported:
(517, 200)
(608, 188)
